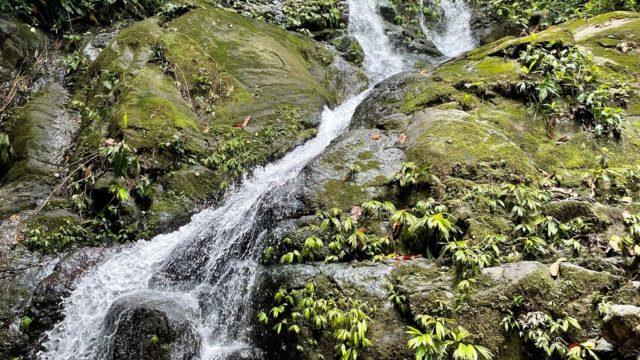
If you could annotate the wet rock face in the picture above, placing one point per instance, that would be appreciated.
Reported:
(19, 43)
(46, 304)
(42, 133)
(622, 329)
(333, 180)
(148, 326)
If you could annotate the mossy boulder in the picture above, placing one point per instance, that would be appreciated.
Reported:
(41, 132)
(483, 84)
(442, 138)
(355, 168)
(208, 79)
(19, 44)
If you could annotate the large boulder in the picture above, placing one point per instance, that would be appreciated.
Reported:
(19, 44)
(355, 168)
(42, 133)
(622, 329)
(424, 283)
(150, 326)
(202, 79)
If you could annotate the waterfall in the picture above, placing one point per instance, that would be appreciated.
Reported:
(218, 245)
(453, 36)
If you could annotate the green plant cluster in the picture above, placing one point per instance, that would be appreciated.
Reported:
(612, 184)
(347, 319)
(308, 16)
(546, 336)
(342, 238)
(628, 244)
(564, 83)
(435, 338)
(5, 149)
(537, 14)
(56, 15)
(97, 231)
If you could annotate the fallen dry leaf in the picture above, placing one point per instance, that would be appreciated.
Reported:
(563, 140)
(243, 124)
(554, 268)
(403, 138)
(14, 217)
(376, 137)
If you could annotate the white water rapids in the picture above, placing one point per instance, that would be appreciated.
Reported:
(453, 36)
(209, 265)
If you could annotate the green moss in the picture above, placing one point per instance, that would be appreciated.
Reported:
(442, 143)
(427, 95)
(196, 183)
(156, 113)
(51, 221)
(340, 194)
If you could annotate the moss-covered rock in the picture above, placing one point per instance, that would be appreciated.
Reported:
(19, 44)
(207, 83)
(42, 131)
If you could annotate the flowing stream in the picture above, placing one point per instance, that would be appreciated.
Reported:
(453, 35)
(209, 266)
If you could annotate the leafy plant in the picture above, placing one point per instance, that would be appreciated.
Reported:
(521, 14)
(120, 157)
(565, 84)
(435, 339)
(5, 148)
(346, 319)
(307, 16)
(119, 192)
(410, 174)
(25, 323)
(542, 332)
(58, 15)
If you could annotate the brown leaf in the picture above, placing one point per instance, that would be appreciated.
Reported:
(88, 171)
(563, 140)
(403, 138)
(14, 217)
(554, 268)
(376, 137)
(424, 72)
(243, 124)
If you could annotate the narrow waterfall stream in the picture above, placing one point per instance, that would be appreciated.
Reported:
(208, 266)
(453, 36)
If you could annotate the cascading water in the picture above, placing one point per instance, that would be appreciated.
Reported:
(218, 270)
(453, 36)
